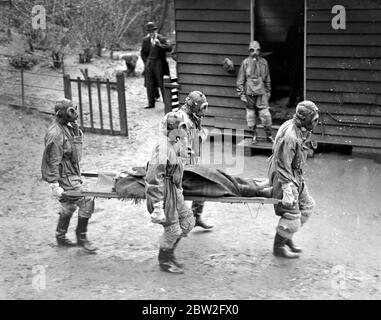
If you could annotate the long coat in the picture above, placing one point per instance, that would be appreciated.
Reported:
(157, 52)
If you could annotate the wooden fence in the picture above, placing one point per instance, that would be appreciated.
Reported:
(102, 118)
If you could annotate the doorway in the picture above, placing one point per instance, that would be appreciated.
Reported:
(279, 27)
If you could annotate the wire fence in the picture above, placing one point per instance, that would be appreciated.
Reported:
(101, 102)
(27, 88)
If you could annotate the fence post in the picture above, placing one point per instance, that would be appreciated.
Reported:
(122, 103)
(22, 83)
(67, 86)
(167, 95)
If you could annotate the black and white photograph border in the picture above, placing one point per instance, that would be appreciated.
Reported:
(127, 126)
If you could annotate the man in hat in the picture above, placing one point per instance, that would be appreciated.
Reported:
(193, 111)
(164, 194)
(153, 53)
(286, 177)
(254, 89)
(60, 168)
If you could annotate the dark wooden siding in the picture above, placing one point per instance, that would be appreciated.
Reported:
(207, 32)
(343, 72)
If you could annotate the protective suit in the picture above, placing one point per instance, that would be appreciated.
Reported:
(60, 168)
(193, 111)
(286, 177)
(254, 89)
(164, 194)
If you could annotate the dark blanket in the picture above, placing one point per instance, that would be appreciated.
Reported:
(197, 181)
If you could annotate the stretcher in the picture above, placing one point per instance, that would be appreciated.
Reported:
(111, 195)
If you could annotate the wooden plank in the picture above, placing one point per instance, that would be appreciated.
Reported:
(206, 26)
(210, 37)
(226, 102)
(343, 51)
(344, 63)
(209, 90)
(346, 109)
(215, 59)
(354, 120)
(351, 141)
(342, 98)
(227, 49)
(200, 79)
(233, 113)
(352, 28)
(215, 70)
(345, 39)
(213, 5)
(348, 4)
(213, 15)
(343, 86)
(352, 75)
(352, 15)
(346, 131)
(351, 109)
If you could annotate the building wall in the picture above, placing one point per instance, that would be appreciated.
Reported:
(344, 71)
(207, 32)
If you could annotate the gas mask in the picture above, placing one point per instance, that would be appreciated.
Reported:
(65, 111)
(198, 106)
(307, 115)
(254, 49)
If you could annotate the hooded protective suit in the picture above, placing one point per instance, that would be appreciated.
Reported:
(164, 182)
(286, 169)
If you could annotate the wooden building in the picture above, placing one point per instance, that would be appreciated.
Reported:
(330, 55)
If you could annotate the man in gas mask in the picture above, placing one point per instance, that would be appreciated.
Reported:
(286, 177)
(164, 192)
(193, 111)
(60, 168)
(254, 89)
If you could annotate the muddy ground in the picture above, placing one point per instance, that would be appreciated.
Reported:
(342, 241)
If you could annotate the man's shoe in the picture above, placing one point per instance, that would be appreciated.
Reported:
(201, 223)
(293, 246)
(65, 242)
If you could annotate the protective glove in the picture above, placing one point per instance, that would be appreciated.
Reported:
(158, 215)
(243, 98)
(56, 190)
(288, 199)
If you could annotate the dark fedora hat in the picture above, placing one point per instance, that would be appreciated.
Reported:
(150, 26)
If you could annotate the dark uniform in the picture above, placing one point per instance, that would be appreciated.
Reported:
(155, 63)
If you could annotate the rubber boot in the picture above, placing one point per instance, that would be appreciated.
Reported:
(81, 233)
(281, 250)
(62, 226)
(201, 223)
(293, 246)
(269, 137)
(172, 255)
(254, 137)
(165, 262)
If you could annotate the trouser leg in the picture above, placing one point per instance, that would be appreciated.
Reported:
(151, 85)
(265, 117)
